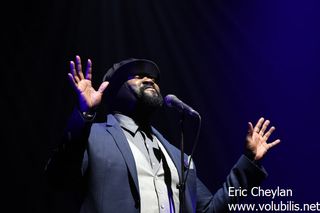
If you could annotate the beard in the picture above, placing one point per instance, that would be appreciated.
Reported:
(137, 102)
(149, 101)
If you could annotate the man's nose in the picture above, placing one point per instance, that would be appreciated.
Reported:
(148, 80)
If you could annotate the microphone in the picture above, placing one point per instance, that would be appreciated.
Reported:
(172, 101)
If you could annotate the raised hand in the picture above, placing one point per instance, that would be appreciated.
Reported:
(257, 139)
(89, 98)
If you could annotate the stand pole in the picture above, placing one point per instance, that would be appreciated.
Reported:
(182, 183)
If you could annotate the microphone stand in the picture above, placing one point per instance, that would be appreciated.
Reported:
(182, 181)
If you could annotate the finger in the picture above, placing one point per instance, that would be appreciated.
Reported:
(103, 86)
(258, 125)
(72, 68)
(270, 145)
(264, 127)
(79, 67)
(89, 70)
(72, 80)
(267, 135)
(250, 128)
(73, 72)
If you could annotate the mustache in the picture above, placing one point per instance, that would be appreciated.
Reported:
(144, 87)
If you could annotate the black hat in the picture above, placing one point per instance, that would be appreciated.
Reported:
(120, 72)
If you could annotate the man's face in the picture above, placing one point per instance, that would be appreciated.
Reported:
(146, 90)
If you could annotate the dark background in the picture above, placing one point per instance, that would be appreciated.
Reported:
(233, 61)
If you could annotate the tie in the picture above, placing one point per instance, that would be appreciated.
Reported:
(153, 150)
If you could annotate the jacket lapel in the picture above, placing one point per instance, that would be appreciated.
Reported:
(175, 158)
(115, 130)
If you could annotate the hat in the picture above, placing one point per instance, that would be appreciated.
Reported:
(120, 72)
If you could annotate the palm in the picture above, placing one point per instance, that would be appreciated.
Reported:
(88, 96)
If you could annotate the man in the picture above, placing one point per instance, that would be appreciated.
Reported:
(125, 164)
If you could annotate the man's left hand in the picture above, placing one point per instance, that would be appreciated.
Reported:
(257, 139)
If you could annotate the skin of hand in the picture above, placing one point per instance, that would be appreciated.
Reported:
(257, 139)
(88, 97)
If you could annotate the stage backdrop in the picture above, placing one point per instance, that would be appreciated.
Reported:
(232, 61)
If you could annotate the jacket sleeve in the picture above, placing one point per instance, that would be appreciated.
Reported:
(244, 174)
(64, 167)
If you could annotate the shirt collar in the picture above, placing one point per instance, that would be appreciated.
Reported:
(127, 123)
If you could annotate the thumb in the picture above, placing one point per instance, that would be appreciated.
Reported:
(103, 86)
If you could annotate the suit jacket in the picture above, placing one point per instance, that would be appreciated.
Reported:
(99, 156)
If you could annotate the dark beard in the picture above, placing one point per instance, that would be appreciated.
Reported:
(135, 102)
(149, 102)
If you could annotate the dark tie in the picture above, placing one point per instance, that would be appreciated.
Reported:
(153, 150)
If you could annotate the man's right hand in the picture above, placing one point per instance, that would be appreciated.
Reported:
(89, 98)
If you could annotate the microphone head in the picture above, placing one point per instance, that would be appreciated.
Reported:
(172, 101)
(169, 99)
